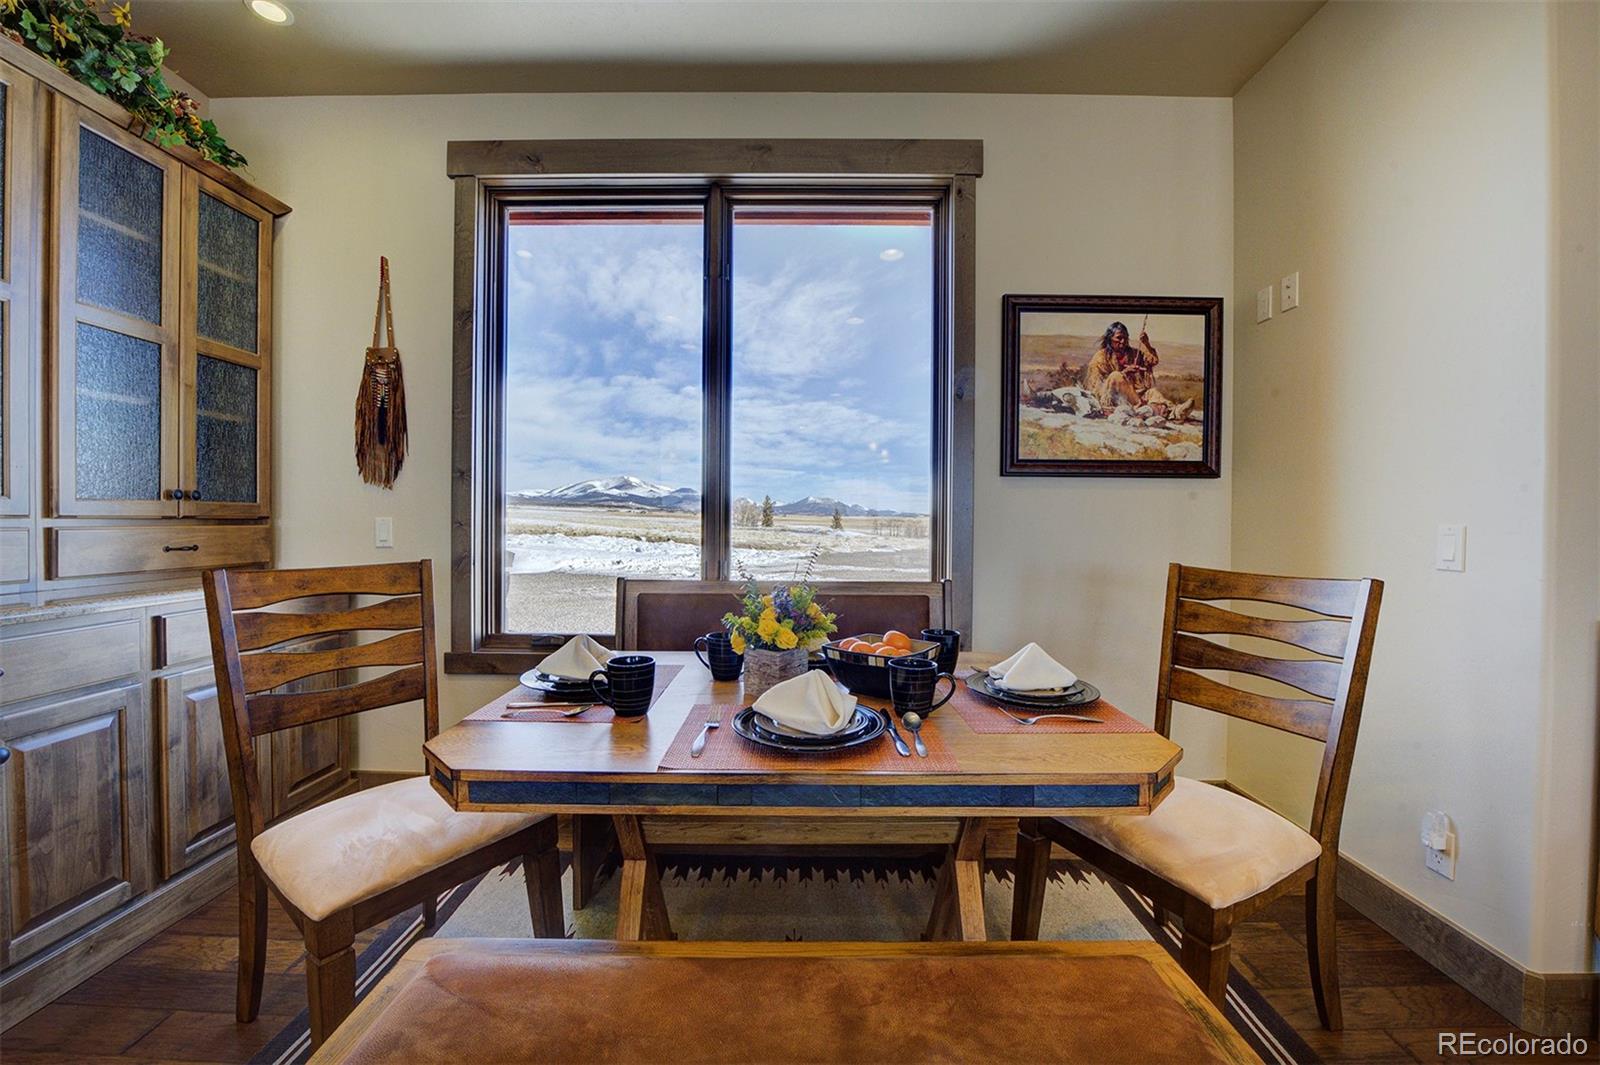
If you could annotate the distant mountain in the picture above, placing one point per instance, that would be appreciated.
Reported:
(635, 492)
(822, 506)
(614, 492)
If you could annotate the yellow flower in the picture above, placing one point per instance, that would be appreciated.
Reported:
(60, 32)
(813, 611)
(767, 626)
(123, 15)
(766, 601)
(787, 639)
(736, 641)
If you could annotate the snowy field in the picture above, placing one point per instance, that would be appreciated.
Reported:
(564, 561)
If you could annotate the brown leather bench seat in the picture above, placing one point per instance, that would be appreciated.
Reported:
(492, 1000)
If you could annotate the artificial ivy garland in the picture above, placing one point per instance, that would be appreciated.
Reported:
(116, 62)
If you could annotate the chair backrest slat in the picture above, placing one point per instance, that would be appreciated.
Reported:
(1323, 637)
(1303, 717)
(254, 655)
(1314, 676)
(1334, 684)
(272, 712)
(263, 628)
(253, 589)
(273, 669)
(1334, 598)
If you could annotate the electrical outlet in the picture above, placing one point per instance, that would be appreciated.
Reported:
(382, 532)
(1439, 844)
(1291, 291)
(1263, 303)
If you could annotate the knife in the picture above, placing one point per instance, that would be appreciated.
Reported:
(899, 744)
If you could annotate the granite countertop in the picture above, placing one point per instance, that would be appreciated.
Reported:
(95, 604)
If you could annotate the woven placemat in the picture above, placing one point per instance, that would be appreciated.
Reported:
(984, 716)
(601, 714)
(727, 750)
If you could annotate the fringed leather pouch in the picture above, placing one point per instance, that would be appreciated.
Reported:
(381, 403)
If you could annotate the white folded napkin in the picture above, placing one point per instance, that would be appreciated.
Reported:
(1032, 669)
(577, 658)
(811, 703)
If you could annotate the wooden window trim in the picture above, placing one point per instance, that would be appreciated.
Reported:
(488, 174)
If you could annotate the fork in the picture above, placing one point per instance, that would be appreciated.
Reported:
(698, 747)
(1034, 720)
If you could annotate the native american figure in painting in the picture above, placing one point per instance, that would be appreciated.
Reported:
(1120, 374)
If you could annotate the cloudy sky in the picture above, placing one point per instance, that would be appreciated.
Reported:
(832, 359)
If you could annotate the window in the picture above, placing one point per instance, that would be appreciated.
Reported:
(702, 378)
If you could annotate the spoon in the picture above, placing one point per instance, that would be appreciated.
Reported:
(913, 721)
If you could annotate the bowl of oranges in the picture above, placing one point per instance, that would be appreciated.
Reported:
(861, 663)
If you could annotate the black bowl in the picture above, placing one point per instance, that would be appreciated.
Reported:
(869, 674)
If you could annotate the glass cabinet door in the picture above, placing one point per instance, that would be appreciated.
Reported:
(116, 345)
(225, 388)
(19, 163)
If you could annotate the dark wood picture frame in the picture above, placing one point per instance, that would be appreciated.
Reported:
(1013, 464)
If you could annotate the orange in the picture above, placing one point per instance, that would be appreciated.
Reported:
(852, 644)
(896, 638)
(888, 650)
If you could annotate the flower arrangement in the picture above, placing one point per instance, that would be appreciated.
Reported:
(780, 620)
(117, 63)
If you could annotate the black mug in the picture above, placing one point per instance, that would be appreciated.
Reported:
(949, 641)
(630, 680)
(911, 685)
(724, 662)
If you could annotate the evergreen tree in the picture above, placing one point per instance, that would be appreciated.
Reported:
(766, 512)
(838, 518)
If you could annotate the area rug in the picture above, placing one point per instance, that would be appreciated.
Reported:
(710, 898)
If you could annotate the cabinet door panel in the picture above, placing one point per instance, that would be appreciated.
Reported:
(74, 806)
(311, 762)
(195, 801)
(116, 342)
(228, 249)
(225, 431)
(21, 156)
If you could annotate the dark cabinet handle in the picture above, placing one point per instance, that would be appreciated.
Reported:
(178, 493)
(5, 755)
(195, 494)
(185, 547)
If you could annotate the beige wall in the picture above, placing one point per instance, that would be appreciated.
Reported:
(1081, 195)
(1400, 158)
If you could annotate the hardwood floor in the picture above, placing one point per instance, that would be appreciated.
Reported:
(172, 999)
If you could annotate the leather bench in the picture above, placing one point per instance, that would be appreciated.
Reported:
(500, 1000)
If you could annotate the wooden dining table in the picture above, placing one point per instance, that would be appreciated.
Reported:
(615, 768)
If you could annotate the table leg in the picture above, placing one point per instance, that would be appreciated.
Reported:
(958, 896)
(642, 908)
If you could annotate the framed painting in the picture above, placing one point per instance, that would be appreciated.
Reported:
(1111, 386)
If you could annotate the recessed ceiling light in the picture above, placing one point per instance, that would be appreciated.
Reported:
(889, 255)
(271, 11)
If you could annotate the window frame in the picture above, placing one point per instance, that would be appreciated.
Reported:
(495, 177)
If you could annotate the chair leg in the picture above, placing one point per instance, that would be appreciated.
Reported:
(1033, 872)
(430, 911)
(330, 974)
(252, 943)
(1322, 944)
(1207, 941)
(541, 871)
(594, 838)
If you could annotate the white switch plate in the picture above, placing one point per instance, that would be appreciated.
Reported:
(1450, 551)
(382, 532)
(1291, 291)
(1263, 303)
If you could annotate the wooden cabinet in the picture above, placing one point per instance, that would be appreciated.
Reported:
(19, 209)
(194, 796)
(75, 815)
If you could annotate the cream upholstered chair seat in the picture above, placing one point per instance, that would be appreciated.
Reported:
(1218, 846)
(353, 848)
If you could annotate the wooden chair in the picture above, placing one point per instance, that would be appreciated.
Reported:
(1210, 855)
(657, 615)
(355, 861)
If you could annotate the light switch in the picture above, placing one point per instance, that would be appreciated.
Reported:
(382, 532)
(1291, 291)
(1450, 552)
(1264, 303)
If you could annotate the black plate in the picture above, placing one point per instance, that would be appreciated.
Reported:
(547, 682)
(1080, 694)
(863, 721)
(744, 725)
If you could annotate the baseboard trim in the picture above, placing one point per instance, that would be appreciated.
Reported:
(37, 981)
(1550, 1004)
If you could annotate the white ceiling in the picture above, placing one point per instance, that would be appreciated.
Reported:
(342, 47)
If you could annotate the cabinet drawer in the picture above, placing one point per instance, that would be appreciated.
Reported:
(102, 551)
(89, 653)
(181, 637)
